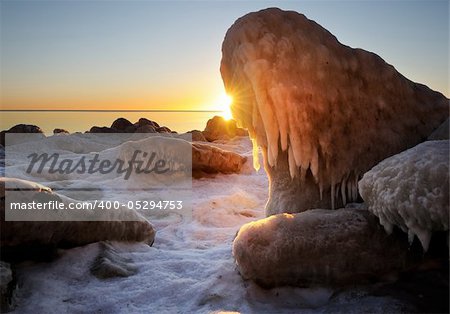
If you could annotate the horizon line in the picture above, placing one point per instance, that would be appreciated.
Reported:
(106, 110)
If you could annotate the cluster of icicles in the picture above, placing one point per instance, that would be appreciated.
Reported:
(300, 160)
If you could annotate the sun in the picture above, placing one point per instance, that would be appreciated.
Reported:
(224, 102)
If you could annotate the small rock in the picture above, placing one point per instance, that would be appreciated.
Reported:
(109, 263)
(60, 131)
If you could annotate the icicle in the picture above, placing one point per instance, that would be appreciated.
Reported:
(302, 174)
(270, 157)
(294, 141)
(343, 185)
(321, 189)
(332, 194)
(349, 188)
(355, 188)
(258, 70)
(424, 237)
(278, 96)
(315, 165)
(256, 164)
(292, 165)
(410, 236)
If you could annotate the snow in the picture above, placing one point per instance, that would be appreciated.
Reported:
(297, 89)
(189, 268)
(411, 190)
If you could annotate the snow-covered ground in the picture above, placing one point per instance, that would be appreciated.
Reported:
(188, 269)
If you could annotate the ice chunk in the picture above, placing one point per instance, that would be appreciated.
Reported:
(411, 190)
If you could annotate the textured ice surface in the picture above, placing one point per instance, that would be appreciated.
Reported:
(411, 190)
(317, 247)
(336, 110)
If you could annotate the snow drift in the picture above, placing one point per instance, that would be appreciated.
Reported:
(321, 111)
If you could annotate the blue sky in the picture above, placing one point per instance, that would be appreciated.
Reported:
(166, 55)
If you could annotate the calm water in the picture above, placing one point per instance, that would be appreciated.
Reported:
(83, 121)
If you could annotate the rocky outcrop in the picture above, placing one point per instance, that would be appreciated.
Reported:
(197, 136)
(146, 129)
(210, 159)
(65, 233)
(122, 125)
(411, 190)
(163, 129)
(102, 129)
(145, 121)
(318, 247)
(323, 113)
(218, 128)
(21, 128)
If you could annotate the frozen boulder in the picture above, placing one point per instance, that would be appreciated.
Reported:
(210, 159)
(318, 247)
(67, 233)
(411, 190)
(322, 113)
(218, 128)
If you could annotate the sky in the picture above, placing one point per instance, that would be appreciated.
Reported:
(166, 54)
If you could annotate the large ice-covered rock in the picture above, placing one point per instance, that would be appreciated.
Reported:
(210, 159)
(411, 190)
(322, 112)
(67, 233)
(318, 247)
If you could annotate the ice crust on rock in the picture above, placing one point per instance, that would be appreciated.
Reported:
(334, 110)
(69, 233)
(411, 190)
(312, 248)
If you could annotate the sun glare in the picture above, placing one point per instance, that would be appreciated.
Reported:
(224, 102)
